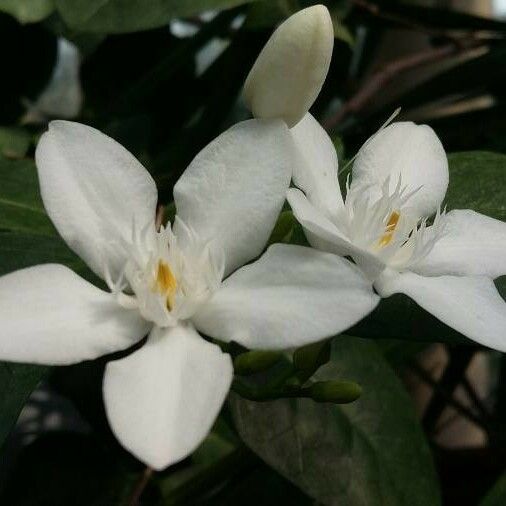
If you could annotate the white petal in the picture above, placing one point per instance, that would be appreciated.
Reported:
(289, 72)
(471, 305)
(163, 399)
(291, 296)
(325, 235)
(234, 189)
(94, 191)
(316, 175)
(52, 316)
(472, 245)
(413, 152)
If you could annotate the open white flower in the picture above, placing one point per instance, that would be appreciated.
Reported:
(399, 180)
(291, 69)
(162, 399)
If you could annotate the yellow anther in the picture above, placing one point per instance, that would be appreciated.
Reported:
(393, 220)
(166, 283)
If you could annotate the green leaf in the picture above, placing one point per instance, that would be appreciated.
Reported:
(268, 13)
(119, 16)
(368, 453)
(478, 182)
(497, 494)
(19, 250)
(399, 317)
(216, 456)
(341, 31)
(284, 228)
(27, 11)
(21, 207)
(14, 142)
(17, 381)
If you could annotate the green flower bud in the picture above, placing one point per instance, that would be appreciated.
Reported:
(338, 392)
(252, 362)
(311, 357)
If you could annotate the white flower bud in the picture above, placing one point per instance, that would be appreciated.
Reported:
(289, 72)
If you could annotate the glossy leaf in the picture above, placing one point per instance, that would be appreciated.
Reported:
(371, 452)
(497, 494)
(17, 381)
(27, 11)
(21, 207)
(19, 250)
(478, 182)
(119, 16)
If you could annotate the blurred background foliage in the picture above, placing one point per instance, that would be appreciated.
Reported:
(163, 77)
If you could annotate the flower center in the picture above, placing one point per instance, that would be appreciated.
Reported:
(386, 238)
(165, 283)
(381, 221)
(167, 277)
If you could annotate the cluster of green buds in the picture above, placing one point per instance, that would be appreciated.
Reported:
(269, 375)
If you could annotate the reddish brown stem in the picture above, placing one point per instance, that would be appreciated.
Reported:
(386, 74)
(139, 487)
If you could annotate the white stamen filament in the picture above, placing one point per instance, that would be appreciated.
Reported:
(166, 277)
(387, 227)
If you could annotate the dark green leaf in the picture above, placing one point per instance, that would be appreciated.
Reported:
(399, 317)
(19, 250)
(284, 228)
(14, 142)
(341, 31)
(21, 207)
(497, 495)
(478, 182)
(88, 473)
(268, 13)
(27, 11)
(371, 452)
(117, 16)
(17, 381)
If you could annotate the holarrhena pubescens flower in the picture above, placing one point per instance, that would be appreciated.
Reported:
(172, 283)
(398, 181)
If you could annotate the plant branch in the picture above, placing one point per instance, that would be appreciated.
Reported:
(445, 397)
(478, 403)
(140, 486)
(390, 71)
(407, 22)
(445, 388)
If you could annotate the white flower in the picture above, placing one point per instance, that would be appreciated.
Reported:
(291, 69)
(399, 180)
(162, 399)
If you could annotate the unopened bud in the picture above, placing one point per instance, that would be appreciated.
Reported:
(252, 362)
(291, 69)
(337, 392)
(312, 356)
